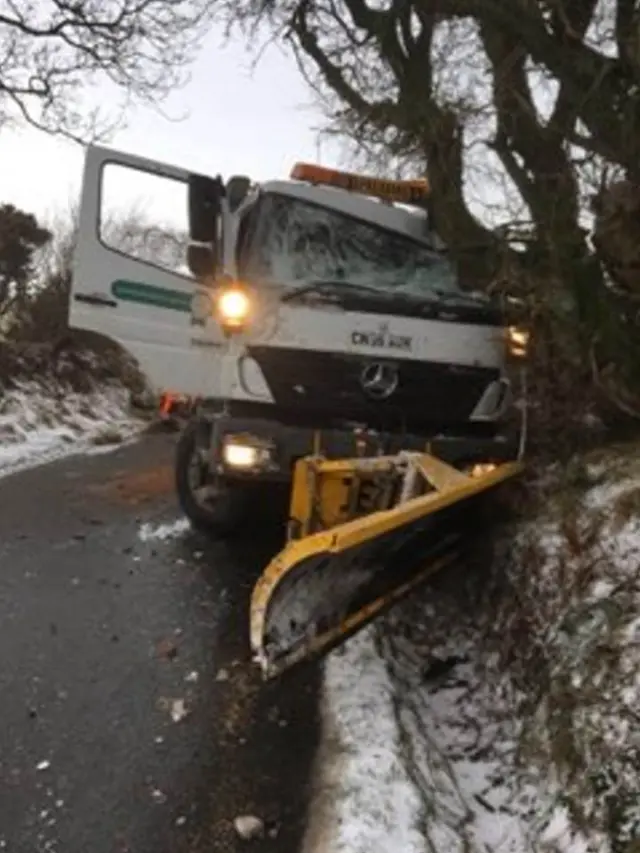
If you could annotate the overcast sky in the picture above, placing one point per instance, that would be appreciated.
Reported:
(238, 122)
(234, 121)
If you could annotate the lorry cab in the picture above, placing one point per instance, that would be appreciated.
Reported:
(320, 306)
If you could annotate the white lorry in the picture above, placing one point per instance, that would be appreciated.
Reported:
(315, 314)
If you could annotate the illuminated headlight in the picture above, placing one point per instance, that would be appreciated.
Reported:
(233, 308)
(517, 341)
(240, 455)
(246, 453)
(482, 468)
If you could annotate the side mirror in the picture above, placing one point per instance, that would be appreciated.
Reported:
(237, 189)
(205, 194)
(201, 260)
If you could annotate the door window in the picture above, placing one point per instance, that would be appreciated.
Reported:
(145, 216)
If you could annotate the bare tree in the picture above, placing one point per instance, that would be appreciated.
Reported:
(415, 76)
(135, 234)
(536, 101)
(59, 58)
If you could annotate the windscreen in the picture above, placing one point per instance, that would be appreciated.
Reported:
(298, 242)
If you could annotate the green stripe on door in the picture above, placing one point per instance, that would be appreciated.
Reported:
(151, 294)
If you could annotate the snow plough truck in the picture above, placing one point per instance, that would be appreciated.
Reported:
(320, 331)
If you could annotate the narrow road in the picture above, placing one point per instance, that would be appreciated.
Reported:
(103, 636)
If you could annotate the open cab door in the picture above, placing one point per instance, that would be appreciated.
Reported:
(131, 280)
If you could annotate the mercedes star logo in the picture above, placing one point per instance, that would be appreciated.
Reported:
(379, 380)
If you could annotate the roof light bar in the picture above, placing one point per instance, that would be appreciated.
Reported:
(407, 192)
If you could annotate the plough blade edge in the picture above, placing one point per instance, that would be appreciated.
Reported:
(345, 562)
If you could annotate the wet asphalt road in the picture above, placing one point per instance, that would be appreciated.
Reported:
(99, 634)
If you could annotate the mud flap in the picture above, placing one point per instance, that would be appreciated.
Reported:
(347, 562)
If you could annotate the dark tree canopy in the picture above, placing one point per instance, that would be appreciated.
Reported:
(54, 54)
(20, 239)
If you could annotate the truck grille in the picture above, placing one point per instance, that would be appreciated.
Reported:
(327, 387)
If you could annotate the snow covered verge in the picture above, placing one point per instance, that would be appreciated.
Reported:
(499, 709)
(54, 405)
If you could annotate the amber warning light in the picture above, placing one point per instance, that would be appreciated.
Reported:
(407, 192)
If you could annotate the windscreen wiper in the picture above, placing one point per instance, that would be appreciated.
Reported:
(458, 296)
(341, 288)
(332, 287)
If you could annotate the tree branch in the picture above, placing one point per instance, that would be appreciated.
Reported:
(51, 51)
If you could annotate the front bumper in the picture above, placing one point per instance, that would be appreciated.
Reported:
(279, 446)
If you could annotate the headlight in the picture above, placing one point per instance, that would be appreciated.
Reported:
(517, 341)
(233, 308)
(482, 468)
(240, 455)
(248, 453)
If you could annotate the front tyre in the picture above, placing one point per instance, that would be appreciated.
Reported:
(211, 505)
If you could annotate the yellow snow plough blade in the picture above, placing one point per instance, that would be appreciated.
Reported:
(363, 533)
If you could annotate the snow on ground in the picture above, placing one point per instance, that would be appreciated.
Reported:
(41, 423)
(148, 532)
(419, 772)
(449, 730)
(369, 802)
(494, 712)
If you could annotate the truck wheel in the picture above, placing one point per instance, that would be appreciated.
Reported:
(222, 513)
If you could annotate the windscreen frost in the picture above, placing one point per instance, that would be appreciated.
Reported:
(298, 242)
